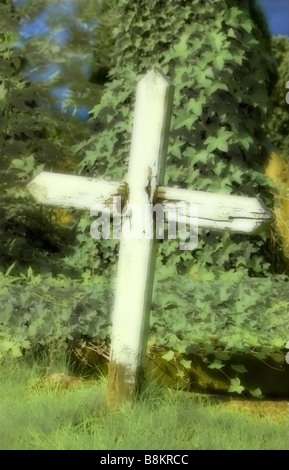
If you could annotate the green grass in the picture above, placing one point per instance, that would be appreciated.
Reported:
(78, 418)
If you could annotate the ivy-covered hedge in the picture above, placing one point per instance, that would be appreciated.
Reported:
(220, 316)
(217, 57)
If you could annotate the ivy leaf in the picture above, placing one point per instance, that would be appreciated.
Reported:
(257, 393)
(216, 365)
(219, 62)
(182, 46)
(220, 142)
(231, 33)
(218, 86)
(245, 140)
(247, 25)
(235, 386)
(186, 364)
(168, 356)
(240, 368)
(196, 107)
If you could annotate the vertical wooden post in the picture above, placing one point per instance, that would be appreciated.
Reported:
(137, 255)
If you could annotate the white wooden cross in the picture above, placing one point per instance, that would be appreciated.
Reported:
(144, 186)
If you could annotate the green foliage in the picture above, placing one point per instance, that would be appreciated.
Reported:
(214, 320)
(229, 314)
(38, 310)
(81, 22)
(25, 128)
(102, 46)
(278, 124)
(236, 386)
(214, 53)
(32, 139)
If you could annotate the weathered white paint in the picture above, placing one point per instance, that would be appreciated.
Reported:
(137, 256)
(81, 193)
(215, 211)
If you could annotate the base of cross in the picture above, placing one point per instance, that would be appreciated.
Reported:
(123, 387)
